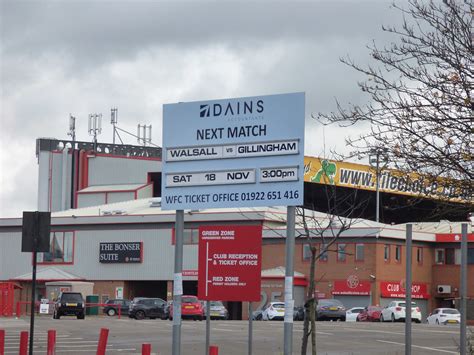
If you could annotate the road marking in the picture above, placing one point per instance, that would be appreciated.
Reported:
(420, 347)
(224, 330)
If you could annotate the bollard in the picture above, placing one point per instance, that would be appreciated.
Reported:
(23, 343)
(213, 350)
(2, 342)
(119, 311)
(51, 342)
(102, 346)
(146, 349)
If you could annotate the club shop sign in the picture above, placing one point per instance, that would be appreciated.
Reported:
(120, 252)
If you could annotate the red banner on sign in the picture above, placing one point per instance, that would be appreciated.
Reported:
(453, 237)
(351, 286)
(397, 290)
(230, 263)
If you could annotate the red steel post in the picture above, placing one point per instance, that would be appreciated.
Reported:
(51, 342)
(120, 311)
(146, 349)
(213, 350)
(2, 341)
(23, 343)
(102, 346)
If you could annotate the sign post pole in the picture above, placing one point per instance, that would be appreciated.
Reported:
(208, 326)
(463, 288)
(250, 329)
(289, 302)
(408, 291)
(33, 287)
(178, 282)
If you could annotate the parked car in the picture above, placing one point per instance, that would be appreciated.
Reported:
(330, 309)
(444, 316)
(191, 307)
(299, 313)
(395, 311)
(143, 307)
(112, 307)
(69, 304)
(218, 310)
(352, 313)
(257, 315)
(370, 314)
(274, 311)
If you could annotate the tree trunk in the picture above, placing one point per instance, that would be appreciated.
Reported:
(310, 308)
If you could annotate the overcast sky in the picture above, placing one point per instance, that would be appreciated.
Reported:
(80, 57)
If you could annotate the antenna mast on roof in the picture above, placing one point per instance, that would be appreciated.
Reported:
(72, 127)
(144, 134)
(114, 121)
(95, 126)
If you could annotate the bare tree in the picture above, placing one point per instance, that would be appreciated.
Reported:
(420, 95)
(325, 231)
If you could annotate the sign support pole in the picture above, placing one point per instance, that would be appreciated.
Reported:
(463, 290)
(208, 326)
(289, 272)
(250, 329)
(408, 291)
(178, 282)
(33, 287)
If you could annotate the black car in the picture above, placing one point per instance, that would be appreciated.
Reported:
(112, 307)
(142, 307)
(330, 309)
(69, 304)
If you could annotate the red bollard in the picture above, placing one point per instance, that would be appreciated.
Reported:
(146, 349)
(102, 346)
(213, 350)
(51, 342)
(23, 343)
(120, 311)
(2, 342)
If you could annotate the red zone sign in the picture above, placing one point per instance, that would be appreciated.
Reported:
(230, 263)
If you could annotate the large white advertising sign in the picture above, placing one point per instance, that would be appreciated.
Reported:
(243, 152)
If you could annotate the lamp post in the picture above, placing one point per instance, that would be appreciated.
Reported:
(378, 159)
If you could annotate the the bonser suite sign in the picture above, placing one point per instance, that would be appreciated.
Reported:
(120, 252)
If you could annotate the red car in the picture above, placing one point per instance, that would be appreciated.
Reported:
(190, 308)
(370, 314)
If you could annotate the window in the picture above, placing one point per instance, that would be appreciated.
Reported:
(470, 256)
(341, 253)
(105, 298)
(324, 253)
(190, 236)
(449, 257)
(386, 252)
(439, 256)
(359, 252)
(61, 249)
(419, 256)
(398, 253)
(306, 252)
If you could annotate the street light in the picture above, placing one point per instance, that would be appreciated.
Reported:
(378, 159)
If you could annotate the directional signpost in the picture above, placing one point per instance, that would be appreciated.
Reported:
(242, 152)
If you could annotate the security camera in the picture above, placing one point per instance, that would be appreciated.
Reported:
(372, 276)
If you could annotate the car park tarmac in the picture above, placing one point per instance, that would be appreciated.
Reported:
(127, 335)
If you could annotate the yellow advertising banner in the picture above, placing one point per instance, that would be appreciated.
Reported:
(359, 176)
